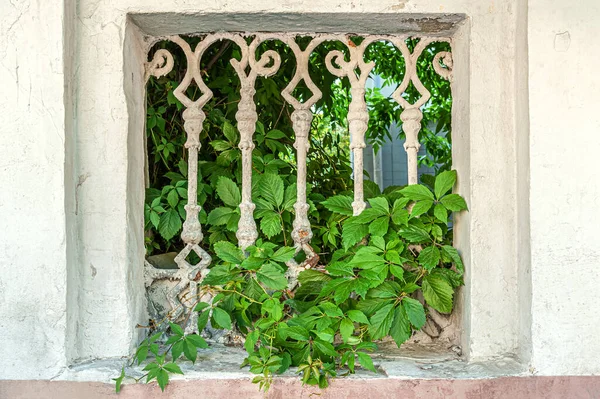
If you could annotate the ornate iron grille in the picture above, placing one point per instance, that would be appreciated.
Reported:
(248, 68)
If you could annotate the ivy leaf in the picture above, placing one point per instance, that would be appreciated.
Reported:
(271, 188)
(397, 271)
(421, 207)
(343, 291)
(272, 277)
(358, 317)
(388, 289)
(220, 145)
(380, 205)
(173, 368)
(341, 204)
(289, 198)
(437, 293)
(414, 234)
(170, 224)
(371, 189)
(190, 351)
(154, 219)
(453, 278)
(203, 320)
(176, 329)
(378, 242)
(353, 233)
(325, 348)
(380, 226)
(218, 275)
(162, 377)
(228, 191)
(346, 329)
(415, 312)
(200, 306)
(119, 380)
(441, 213)
(197, 341)
(454, 202)
(455, 256)
(381, 322)
(417, 192)
(311, 275)
(270, 224)
(275, 134)
(298, 333)
(400, 330)
(370, 306)
(399, 214)
(367, 260)
(219, 216)
(177, 350)
(229, 252)
(331, 310)
(251, 340)
(141, 354)
(444, 183)
(340, 269)
(283, 254)
(429, 257)
(173, 198)
(366, 361)
(222, 318)
(230, 132)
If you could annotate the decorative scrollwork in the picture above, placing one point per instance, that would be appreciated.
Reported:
(445, 58)
(248, 67)
(161, 64)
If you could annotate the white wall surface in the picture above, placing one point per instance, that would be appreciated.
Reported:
(32, 228)
(564, 54)
(491, 304)
(44, 326)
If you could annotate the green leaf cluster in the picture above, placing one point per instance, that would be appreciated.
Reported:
(378, 272)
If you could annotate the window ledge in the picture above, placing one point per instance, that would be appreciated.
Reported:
(221, 362)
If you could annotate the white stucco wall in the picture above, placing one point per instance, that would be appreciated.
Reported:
(565, 185)
(490, 181)
(70, 281)
(32, 203)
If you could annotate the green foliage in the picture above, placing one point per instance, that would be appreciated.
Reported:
(329, 168)
(367, 292)
(373, 266)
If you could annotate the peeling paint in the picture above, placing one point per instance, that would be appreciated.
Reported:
(400, 6)
(562, 41)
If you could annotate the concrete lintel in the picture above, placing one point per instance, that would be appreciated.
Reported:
(164, 24)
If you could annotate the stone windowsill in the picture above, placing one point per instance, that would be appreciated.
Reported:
(222, 362)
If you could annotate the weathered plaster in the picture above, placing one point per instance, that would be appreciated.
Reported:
(492, 303)
(565, 186)
(45, 326)
(33, 272)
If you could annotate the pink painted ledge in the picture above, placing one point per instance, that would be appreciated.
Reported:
(562, 387)
(415, 371)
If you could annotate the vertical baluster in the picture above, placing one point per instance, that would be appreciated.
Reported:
(301, 122)
(358, 114)
(411, 125)
(193, 116)
(247, 117)
(411, 115)
(358, 121)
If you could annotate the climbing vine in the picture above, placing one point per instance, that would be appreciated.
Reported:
(375, 275)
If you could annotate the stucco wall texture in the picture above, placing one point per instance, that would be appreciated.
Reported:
(526, 123)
